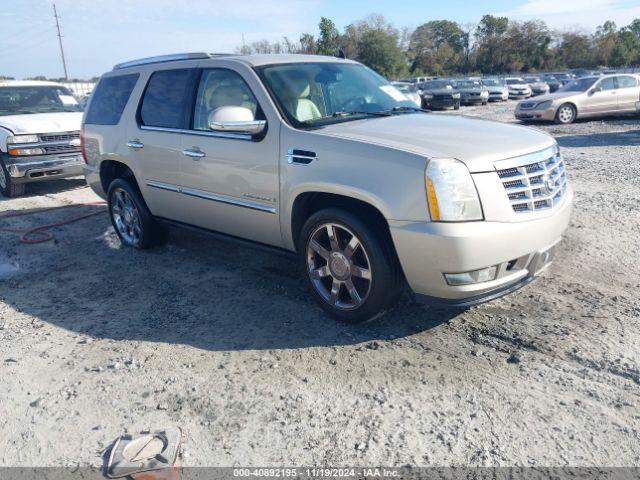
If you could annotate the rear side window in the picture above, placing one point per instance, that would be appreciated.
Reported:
(165, 100)
(627, 82)
(109, 99)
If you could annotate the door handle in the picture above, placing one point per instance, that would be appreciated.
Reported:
(192, 153)
(137, 144)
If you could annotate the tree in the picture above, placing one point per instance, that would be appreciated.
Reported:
(605, 41)
(379, 50)
(437, 47)
(575, 50)
(308, 44)
(490, 36)
(328, 41)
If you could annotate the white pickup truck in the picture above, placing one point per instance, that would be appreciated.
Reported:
(39, 134)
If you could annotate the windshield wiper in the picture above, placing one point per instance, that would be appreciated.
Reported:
(381, 113)
(408, 110)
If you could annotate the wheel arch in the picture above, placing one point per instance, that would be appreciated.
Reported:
(112, 169)
(569, 102)
(306, 203)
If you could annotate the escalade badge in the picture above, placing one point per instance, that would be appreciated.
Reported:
(549, 183)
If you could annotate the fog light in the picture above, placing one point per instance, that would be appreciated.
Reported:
(469, 278)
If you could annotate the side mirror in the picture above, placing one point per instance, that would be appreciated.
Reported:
(596, 89)
(235, 120)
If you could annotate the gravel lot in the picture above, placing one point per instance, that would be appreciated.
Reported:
(224, 342)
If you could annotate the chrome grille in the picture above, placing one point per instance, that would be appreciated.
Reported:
(58, 137)
(61, 148)
(535, 186)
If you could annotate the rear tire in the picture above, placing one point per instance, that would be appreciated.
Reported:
(353, 273)
(8, 187)
(456, 106)
(566, 114)
(131, 217)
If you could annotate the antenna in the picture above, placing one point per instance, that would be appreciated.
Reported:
(64, 63)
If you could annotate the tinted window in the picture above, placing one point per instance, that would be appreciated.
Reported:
(627, 82)
(109, 99)
(165, 99)
(607, 84)
(221, 88)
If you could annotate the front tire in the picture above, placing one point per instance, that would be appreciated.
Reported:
(352, 272)
(131, 217)
(566, 114)
(8, 187)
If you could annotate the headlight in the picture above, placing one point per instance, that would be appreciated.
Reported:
(456, 95)
(25, 151)
(451, 193)
(544, 105)
(23, 139)
(428, 96)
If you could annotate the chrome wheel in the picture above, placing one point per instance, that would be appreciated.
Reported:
(338, 266)
(3, 178)
(566, 114)
(126, 217)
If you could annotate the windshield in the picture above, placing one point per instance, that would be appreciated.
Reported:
(580, 85)
(36, 99)
(468, 84)
(438, 85)
(313, 94)
(515, 81)
(562, 76)
(491, 82)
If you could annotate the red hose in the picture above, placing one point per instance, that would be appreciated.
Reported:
(41, 234)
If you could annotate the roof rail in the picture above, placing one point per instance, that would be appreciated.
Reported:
(162, 58)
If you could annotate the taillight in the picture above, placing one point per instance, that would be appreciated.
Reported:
(82, 149)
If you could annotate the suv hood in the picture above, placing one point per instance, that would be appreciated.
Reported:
(478, 143)
(42, 122)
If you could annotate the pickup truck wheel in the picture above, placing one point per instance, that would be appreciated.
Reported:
(131, 218)
(352, 273)
(8, 187)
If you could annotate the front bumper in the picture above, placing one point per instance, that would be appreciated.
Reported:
(548, 114)
(474, 100)
(436, 103)
(429, 250)
(498, 96)
(43, 167)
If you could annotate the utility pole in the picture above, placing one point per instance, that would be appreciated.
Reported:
(64, 63)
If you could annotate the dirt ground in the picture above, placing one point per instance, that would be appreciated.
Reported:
(97, 340)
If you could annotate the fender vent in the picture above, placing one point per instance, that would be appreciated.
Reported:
(303, 157)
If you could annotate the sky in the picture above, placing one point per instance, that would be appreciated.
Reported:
(100, 33)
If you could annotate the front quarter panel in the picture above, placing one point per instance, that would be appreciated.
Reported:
(390, 180)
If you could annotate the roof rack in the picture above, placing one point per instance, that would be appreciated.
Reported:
(164, 58)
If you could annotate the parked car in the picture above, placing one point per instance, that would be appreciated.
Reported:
(320, 156)
(537, 84)
(553, 82)
(563, 77)
(472, 92)
(585, 97)
(410, 90)
(582, 72)
(39, 134)
(498, 91)
(440, 95)
(518, 87)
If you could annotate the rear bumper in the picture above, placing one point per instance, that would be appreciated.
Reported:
(92, 176)
(429, 250)
(38, 168)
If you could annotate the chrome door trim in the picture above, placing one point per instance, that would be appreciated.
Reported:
(227, 135)
(195, 154)
(212, 196)
(163, 186)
